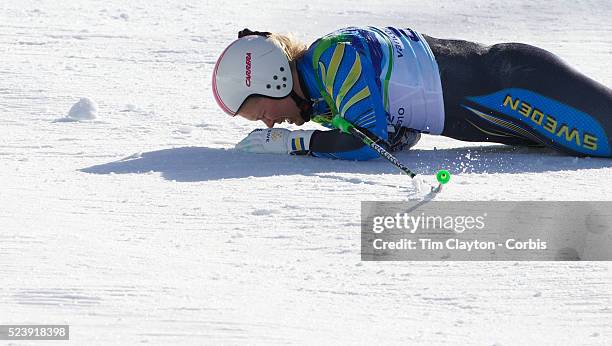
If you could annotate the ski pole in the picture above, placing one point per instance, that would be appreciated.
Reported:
(343, 125)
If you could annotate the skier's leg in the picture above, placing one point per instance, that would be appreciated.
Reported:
(461, 72)
(540, 97)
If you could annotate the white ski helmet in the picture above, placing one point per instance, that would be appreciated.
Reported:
(251, 65)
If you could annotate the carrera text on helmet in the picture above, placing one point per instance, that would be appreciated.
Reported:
(248, 70)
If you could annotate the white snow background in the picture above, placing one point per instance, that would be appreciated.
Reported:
(143, 225)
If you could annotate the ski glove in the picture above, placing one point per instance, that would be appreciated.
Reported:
(276, 141)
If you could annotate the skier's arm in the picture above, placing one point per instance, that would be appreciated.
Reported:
(332, 144)
(337, 145)
(334, 141)
(347, 82)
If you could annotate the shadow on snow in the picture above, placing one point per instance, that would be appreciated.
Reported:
(190, 164)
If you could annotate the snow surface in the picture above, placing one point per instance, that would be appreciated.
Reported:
(144, 226)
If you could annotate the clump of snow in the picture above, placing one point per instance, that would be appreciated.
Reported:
(421, 185)
(425, 188)
(185, 129)
(263, 212)
(84, 109)
(418, 184)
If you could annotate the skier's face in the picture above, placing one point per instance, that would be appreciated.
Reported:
(271, 111)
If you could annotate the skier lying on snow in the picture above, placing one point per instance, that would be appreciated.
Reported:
(395, 84)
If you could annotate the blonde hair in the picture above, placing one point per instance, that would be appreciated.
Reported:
(293, 48)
